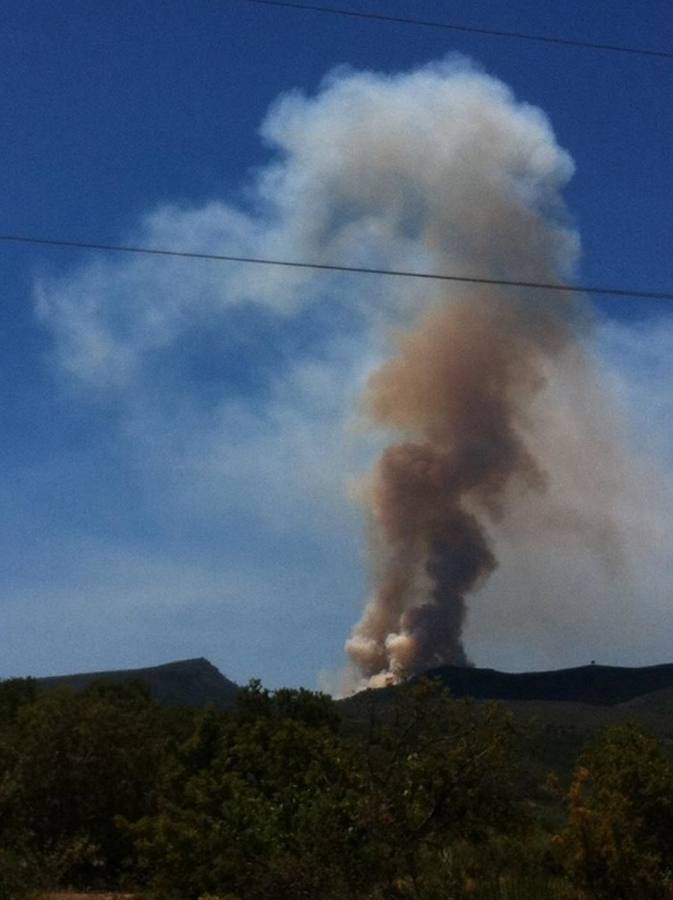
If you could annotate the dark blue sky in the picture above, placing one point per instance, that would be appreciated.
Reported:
(109, 109)
(113, 110)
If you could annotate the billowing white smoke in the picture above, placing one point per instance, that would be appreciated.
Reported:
(375, 170)
(439, 170)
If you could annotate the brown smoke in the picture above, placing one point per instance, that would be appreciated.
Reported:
(459, 388)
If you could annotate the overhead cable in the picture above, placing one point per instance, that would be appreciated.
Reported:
(468, 29)
(333, 267)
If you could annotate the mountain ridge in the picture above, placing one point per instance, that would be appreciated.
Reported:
(197, 682)
(185, 682)
(594, 684)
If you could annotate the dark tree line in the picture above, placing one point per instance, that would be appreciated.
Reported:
(282, 798)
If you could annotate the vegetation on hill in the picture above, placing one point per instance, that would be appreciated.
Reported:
(282, 797)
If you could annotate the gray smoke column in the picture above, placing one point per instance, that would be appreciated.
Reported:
(465, 373)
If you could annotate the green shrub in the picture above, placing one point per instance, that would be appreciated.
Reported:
(18, 878)
(618, 842)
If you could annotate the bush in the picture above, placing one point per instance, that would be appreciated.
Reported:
(17, 876)
(68, 766)
(618, 842)
(273, 802)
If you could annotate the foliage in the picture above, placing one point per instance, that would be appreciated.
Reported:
(70, 763)
(619, 839)
(437, 771)
(421, 797)
(18, 877)
(274, 802)
(15, 693)
(247, 800)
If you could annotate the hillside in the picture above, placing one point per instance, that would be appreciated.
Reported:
(556, 704)
(595, 685)
(188, 682)
(585, 697)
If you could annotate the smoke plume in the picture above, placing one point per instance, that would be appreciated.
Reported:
(509, 481)
(463, 383)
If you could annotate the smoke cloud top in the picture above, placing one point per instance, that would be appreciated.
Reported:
(501, 454)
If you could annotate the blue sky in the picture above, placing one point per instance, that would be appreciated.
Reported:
(179, 459)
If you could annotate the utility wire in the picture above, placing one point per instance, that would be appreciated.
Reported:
(328, 267)
(468, 29)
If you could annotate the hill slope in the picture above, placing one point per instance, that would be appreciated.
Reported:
(188, 682)
(585, 693)
(597, 685)
(578, 700)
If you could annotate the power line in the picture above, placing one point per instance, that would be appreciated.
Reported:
(468, 29)
(329, 267)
